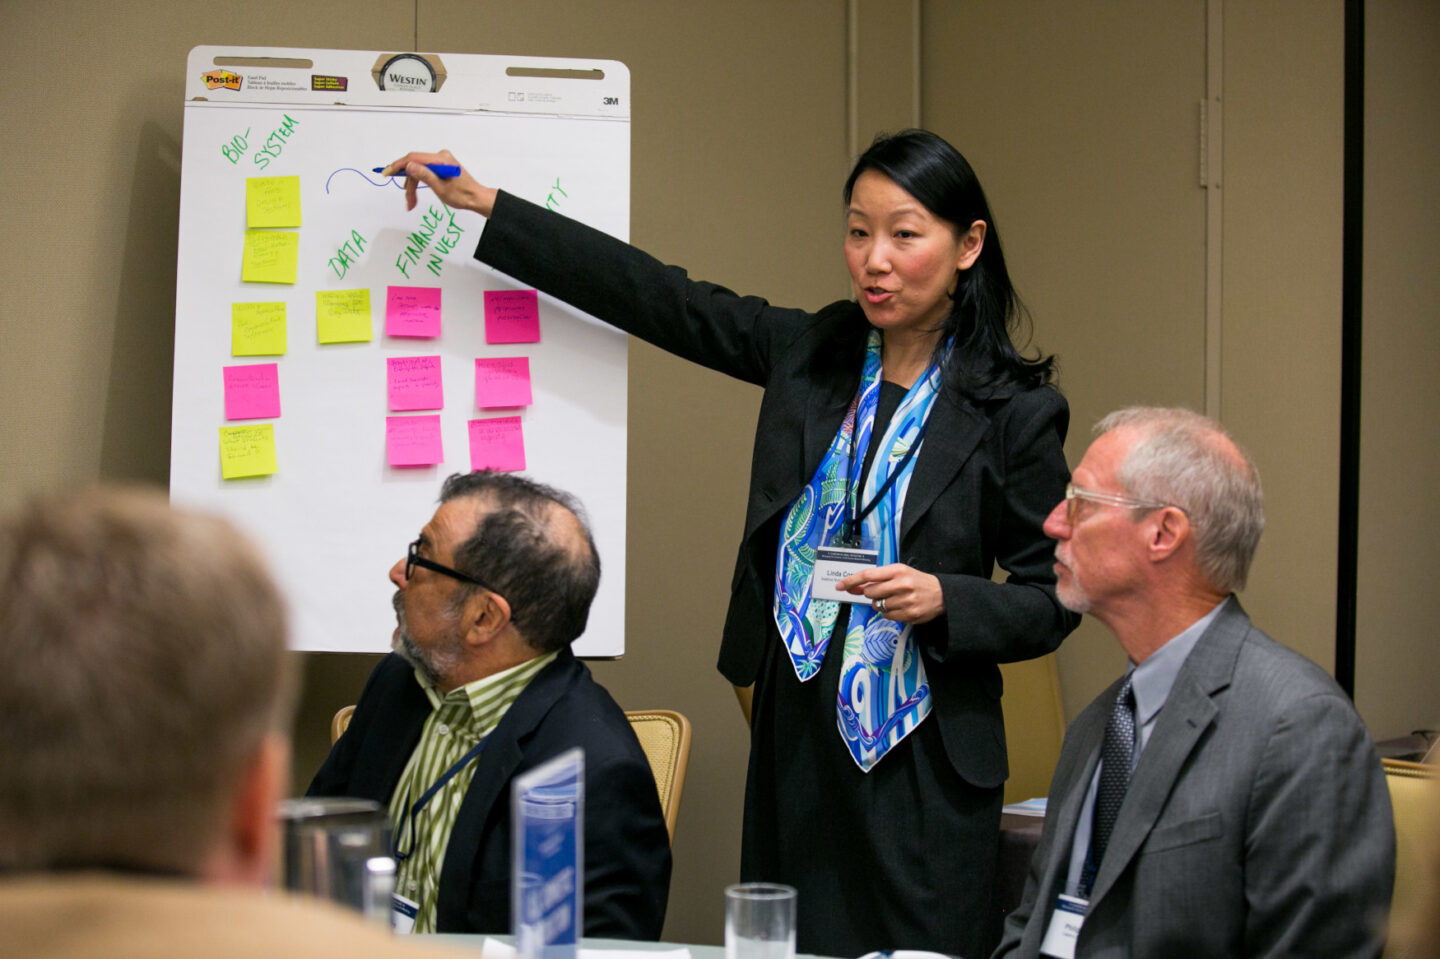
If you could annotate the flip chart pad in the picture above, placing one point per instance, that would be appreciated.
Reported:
(553, 131)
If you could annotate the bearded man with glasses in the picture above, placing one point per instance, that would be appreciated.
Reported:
(482, 687)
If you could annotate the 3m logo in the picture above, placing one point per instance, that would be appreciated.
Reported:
(216, 79)
(612, 101)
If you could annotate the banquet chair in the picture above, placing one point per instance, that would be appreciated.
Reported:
(664, 736)
(340, 723)
(1415, 802)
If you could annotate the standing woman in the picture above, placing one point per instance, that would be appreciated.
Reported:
(905, 422)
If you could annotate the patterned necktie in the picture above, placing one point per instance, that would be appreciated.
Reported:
(1116, 754)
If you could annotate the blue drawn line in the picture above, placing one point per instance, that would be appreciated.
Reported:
(384, 181)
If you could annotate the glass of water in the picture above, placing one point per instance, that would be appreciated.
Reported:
(759, 921)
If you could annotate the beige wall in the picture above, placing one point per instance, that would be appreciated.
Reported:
(1083, 123)
(1397, 671)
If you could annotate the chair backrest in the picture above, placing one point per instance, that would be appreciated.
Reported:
(1415, 802)
(665, 736)
(340, 723)
(663, 733)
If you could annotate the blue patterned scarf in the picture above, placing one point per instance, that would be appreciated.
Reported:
(883, 692)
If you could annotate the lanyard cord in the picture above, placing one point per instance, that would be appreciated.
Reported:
(852, 498)
(411, 813)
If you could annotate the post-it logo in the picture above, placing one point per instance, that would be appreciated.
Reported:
(216, 79)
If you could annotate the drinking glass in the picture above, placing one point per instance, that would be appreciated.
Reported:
(759, 921)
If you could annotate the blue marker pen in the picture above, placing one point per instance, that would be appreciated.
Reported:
(445, 171)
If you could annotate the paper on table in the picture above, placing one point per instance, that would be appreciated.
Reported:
(1030, 807)
(272, 201)
(413, 441)
(503, 381)
(271, 256)
(512, 316)
(413, 383)
(497, 443)
(257, 329)
(495, 949)
(342, 316)
(247, 450)
(252, 392)
(412, 311)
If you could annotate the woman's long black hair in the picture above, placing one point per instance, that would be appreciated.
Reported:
(985, 363)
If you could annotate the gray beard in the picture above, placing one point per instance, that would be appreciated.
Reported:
(405, 646)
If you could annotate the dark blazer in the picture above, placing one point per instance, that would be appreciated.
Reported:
(627, 849)
(984, 481)
(1257, 822)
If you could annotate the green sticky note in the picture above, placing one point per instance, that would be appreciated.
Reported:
(247, 450)
(271, 256)
(272, 201)
(343, 316)
(257, 329)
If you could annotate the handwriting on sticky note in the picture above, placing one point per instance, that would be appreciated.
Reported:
(512, 316)
(413, 441)
(247, 450)
(497, 443)
(412, 311)
(503, 381)
(271, 256)
(413, 383)
(272, 201)
(252, 392)
(257, 329)
(342, 316)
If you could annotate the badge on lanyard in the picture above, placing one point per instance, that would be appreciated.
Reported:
(402, 913)
(834, 563)
(1064, 929)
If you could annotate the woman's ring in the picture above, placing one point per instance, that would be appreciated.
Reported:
(880, 605)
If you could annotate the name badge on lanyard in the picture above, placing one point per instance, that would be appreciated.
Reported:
(1064, 929)
(846, 555)
(834, 563)
(402, 913)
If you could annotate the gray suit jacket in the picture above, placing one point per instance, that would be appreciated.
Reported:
(1257, 822)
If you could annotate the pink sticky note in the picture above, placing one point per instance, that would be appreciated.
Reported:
(512, 316)
(252, 392)
(412, 311)
(503, 381)
(413, 441)
(413, 383)
(497, 444)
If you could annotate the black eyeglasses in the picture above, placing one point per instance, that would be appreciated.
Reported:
(413, 559)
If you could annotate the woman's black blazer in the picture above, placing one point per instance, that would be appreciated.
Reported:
(984, 481)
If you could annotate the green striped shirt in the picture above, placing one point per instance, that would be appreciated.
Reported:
(460, 719)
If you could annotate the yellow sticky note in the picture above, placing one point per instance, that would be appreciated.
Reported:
(272, 201)
(257, 329)
(247, 450)
(343, 316)
(271, 256)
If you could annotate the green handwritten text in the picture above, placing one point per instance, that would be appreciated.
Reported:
(275, 142)
(348, 254)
